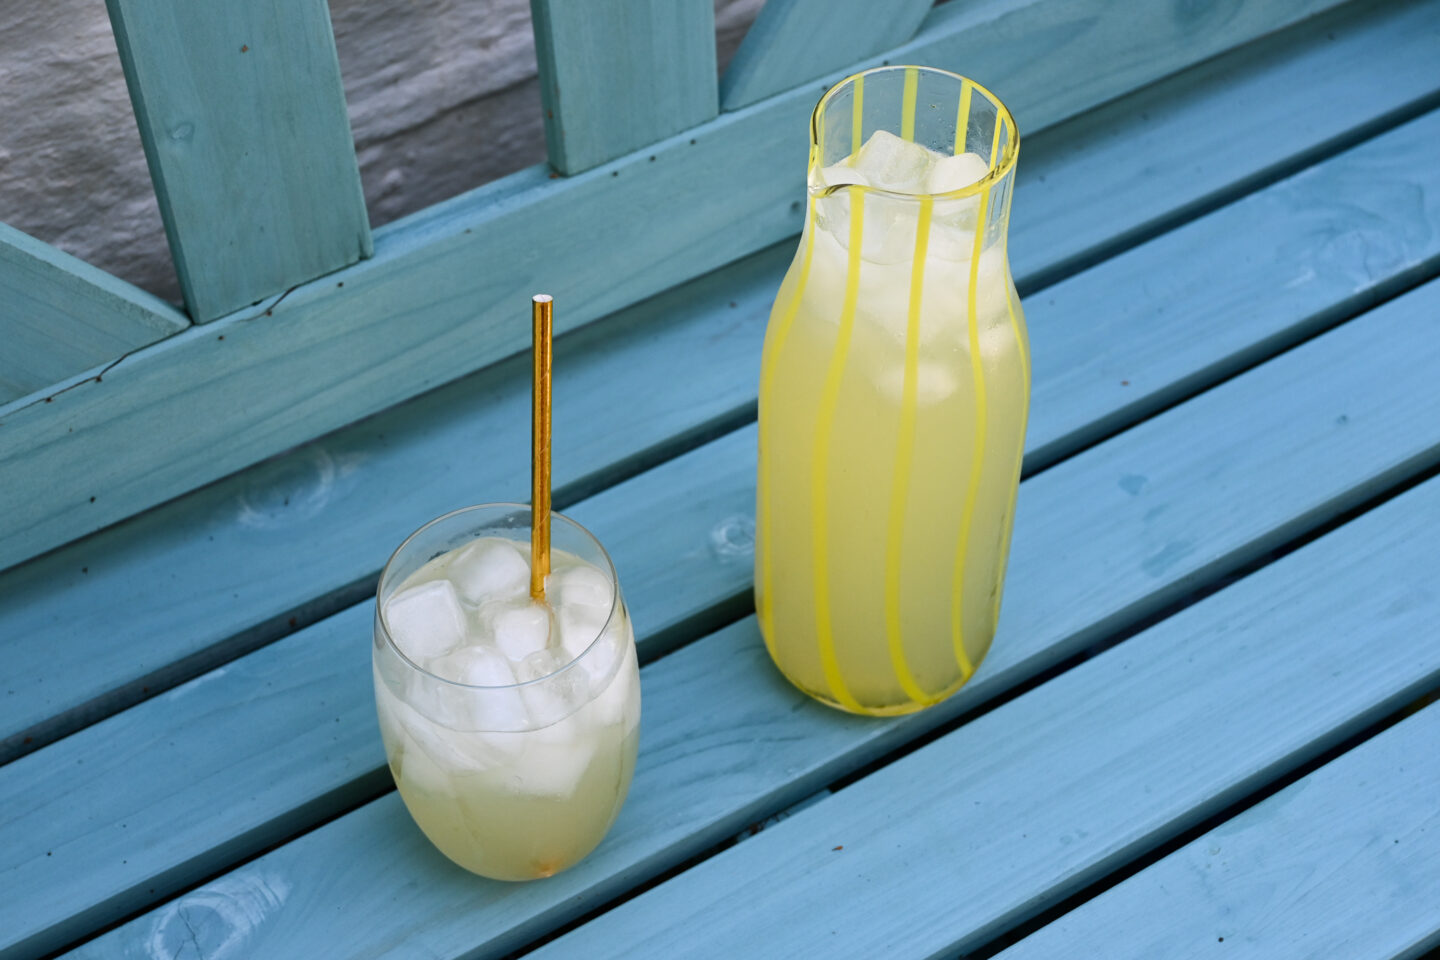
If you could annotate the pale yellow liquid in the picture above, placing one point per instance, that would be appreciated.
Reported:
(491, 820)
(859, 617)
(489, 825)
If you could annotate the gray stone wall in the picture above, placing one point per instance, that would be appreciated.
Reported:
(442, 96)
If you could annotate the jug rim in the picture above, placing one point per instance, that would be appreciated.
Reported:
(997, 173)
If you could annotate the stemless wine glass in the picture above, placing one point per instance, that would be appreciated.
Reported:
(511, 727)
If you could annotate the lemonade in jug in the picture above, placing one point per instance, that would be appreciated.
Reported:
(894, 390)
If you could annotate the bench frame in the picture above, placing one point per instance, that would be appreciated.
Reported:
(342, 326)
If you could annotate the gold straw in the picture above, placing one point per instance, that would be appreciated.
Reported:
(541, 306)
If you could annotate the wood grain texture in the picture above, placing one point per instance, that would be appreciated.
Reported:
(222, 570)
(1331, 865)
(438, 298)
(1314, 248)
(60, 316)
(245, 129)
(618, 75)
(1016, 810)
(1162, 520)
(792, 41)
(321, 519)
(1288, 98)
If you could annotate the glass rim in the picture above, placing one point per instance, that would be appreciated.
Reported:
(514, 507)
(999, 172)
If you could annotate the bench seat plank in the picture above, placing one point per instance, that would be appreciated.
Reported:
(618, 75)
(1217, 294)
(1163, 521)
(949, 846)
(309, 529)
(234, 565)
(1219, 129)
(1331, 866)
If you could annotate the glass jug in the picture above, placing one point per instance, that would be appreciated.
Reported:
(894, 391)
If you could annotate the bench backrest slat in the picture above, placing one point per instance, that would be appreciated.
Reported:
(618, 75)
(244, 124)
(793, 41)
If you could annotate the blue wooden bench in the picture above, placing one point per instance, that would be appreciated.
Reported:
(1202, 728)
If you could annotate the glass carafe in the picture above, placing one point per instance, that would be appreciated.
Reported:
(894, 392)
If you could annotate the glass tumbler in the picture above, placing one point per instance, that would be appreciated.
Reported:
(510, 727)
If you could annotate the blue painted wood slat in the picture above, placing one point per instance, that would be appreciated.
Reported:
(1329, 866)
(243, 120)
(1151, 534)
(437, 300)
(618, 75)
(792, 41)
(59, 316)
(1013, 812)
(1288, 95)
(150, 582)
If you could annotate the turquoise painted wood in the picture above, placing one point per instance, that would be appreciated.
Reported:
(1298, 250)
(1289, 99)
(244, 124)
(792, 41)
(1331, 865)
(618, 75)
(201, 580)
(1016, 810)
(1150, 536)
(190, 783)
(60, 316)
(149, 584)
(420, 313)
